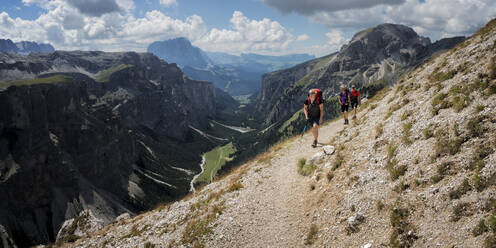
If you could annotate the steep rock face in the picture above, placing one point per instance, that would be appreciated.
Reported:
(378, 53)
(59, 155)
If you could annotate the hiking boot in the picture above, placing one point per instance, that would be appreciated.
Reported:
(354, 117)
(346, 122)
(314, 144)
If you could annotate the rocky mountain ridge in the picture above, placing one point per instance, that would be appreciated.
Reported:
(24, 47)
(373, 56)
(417, 168)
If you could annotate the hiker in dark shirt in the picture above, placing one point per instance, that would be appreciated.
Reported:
(344, 100)
(314, 112)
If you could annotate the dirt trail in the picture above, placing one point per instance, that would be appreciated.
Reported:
(271, 210)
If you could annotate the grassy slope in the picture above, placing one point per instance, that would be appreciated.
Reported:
(48, 80)
(104, 75)
(214, 160)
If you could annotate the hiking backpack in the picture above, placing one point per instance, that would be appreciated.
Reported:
(318, 96)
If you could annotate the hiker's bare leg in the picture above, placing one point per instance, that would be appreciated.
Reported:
(354, 109)
(345, 115)
(315, 131)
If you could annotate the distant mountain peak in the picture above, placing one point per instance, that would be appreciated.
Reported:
(395, 30)
(180, 51)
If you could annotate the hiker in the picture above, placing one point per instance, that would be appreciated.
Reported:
(355, 100)
(314, 112)
(344, 100)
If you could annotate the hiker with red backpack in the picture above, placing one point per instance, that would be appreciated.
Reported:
(314, 112)
(355, 100)
(344, 100)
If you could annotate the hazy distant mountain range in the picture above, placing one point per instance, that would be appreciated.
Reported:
(237, 75)
(24, 47)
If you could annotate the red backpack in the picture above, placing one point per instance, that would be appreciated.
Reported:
(318, 96)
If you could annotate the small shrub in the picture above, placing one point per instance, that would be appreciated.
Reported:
(442, 76)
(428, 132)
(312, 235)
(480, 228)
(398, 215)
(235, 186)
(196, 229)
(479, 184)
(480, 108)
(440, 102)
(445, 146)
(395, 171)
(406, 133)
(459, 103)
(391, 151)
(460, 210)
(380, 205)
(492, 223)
(402, 235)
(442, 171)
(492, 68)
(480, 153)
(402, 186)
(491, 90)
(490, 241)
(149, 245)
(475, 126)
(490, 205)
(379, 129)
(461, 190)
(392, 109)
(305, 169)
(338, 162)
(330, 176)
(135, 231)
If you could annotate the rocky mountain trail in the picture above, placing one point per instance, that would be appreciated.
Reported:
(415, 169)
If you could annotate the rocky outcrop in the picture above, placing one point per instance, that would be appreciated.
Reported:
(375, 54)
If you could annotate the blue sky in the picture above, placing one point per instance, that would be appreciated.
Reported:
(317, 27)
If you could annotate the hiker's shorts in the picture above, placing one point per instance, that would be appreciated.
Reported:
(344, 108)
(314, 121)
(354, 104)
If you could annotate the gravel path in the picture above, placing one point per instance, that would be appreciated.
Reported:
(271, 210)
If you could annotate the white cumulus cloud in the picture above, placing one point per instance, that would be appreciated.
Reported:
(247, 35)
(168, 3)
(434, 18)
(302, 37)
